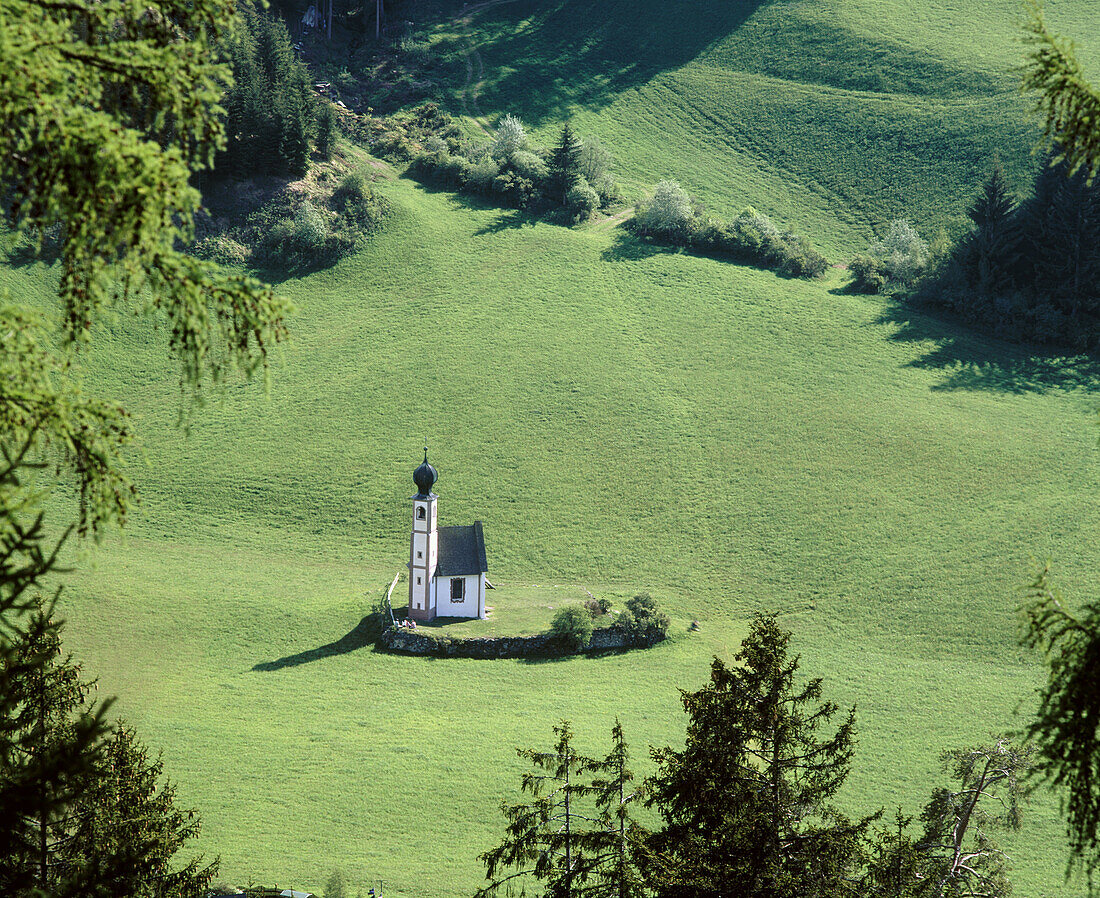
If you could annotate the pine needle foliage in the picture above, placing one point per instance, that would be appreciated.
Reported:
(546, 839)
(745, 803)
(1066, 728)
(106, 110)
(960, 856)
(1068, 104)
(565, 163)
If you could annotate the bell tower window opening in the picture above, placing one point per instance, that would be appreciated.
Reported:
(420, 513)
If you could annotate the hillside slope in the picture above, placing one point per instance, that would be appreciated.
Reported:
(834, 118)
(621, 419)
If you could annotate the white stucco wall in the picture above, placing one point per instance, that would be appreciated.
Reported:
(472, 606)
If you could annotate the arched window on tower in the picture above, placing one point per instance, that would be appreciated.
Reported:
(420, 512)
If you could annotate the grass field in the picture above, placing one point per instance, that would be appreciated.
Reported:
(622, 418)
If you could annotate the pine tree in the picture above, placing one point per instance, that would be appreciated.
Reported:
(959, 855)
(326, 130)
(50, 746)
(128, 829)
(619, 838)
(990, 249)
(1068, 718)
(745, 802)
(565, 163)
(550, 837)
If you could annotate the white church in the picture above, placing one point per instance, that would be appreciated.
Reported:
(446, 564)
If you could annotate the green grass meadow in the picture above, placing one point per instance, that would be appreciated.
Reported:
(622, 417)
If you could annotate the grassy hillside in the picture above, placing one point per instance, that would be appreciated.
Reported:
(833, 117)
(622, 418)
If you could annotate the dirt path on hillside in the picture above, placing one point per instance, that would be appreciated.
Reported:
(612, 221)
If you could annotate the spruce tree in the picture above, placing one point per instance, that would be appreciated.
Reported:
(549, 838)
(51, 744)
(990, 248)
(326, 130)
(745, 803)
(619, 838)
(128, 829)
(565, 164)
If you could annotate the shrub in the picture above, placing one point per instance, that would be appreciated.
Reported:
(528, 165)
(454, 170)
(510, 137)
(607, 189)
(393, 145)
(572, 626)
(357, 204)
(595, 161)
(902, 253)
(597, 607)
(296, 243)
(582, 200)
(223, 249)
(517, 189)
(668, 211)
(869, 275)
(433, 143)
(643, 621)
(482, 174)
(801, 259)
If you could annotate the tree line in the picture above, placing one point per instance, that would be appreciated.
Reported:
(271, 112)
(745, 807)
(1027, 271)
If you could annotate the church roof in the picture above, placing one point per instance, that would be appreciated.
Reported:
(461, 551)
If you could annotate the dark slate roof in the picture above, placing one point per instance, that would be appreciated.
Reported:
(461, 551)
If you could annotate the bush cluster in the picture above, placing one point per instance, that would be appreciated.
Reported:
(893, 262)
(672, 216)
(572, 178)
(572, 627)
(296, 233)
(401, 137)
(642, 620)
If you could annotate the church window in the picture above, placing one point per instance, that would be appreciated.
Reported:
(417, 581)
(419, 554)
(458, 589)
(420, 512)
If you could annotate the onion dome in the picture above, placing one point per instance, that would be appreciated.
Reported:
(425, 477)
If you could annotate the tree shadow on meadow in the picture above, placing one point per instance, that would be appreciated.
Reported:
(365, 634)
(546, 59)
(971, 361)
(629, 247)
(510, 220)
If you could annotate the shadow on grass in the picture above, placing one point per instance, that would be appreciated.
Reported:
(628, 247)
(511, 220)
(971, 361)
(566, 54)
(366, 633)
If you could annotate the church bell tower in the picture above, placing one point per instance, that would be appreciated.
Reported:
(424, 548)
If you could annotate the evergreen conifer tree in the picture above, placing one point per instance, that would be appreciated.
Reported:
(549, 838)
(619, 838)
(745, 803)
(50, 746)
(128, 829)
(990, 248)
(565, 164)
